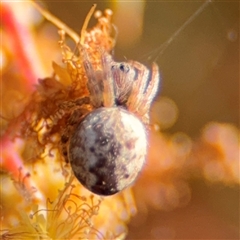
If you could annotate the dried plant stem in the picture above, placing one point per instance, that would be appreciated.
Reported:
(85, 24)
(57, 22)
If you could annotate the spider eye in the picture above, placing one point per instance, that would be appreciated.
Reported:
(123, 67)
(107, 150)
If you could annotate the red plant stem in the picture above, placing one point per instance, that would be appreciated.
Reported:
(9, 159)
(22, 41)
(23, 49)
(19, 36)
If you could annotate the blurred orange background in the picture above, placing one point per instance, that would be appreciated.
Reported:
(200, 84)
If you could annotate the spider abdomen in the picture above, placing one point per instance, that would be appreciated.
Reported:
(107, 150)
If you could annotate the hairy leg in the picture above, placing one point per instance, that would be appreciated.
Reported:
(108, 84)
(139, 86)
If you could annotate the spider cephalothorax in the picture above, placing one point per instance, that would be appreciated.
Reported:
(108, 146)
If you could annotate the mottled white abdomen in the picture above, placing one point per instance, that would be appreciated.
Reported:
(108, 149)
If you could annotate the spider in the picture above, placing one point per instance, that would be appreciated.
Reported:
(107, 146)
(105, 135)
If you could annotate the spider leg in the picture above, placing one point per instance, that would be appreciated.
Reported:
(108, 84)
(66, 107)
(151, 91)
(139, 86)
(94, 84)
(143, 91)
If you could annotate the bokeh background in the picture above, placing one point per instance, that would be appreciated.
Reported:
(200, 84)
